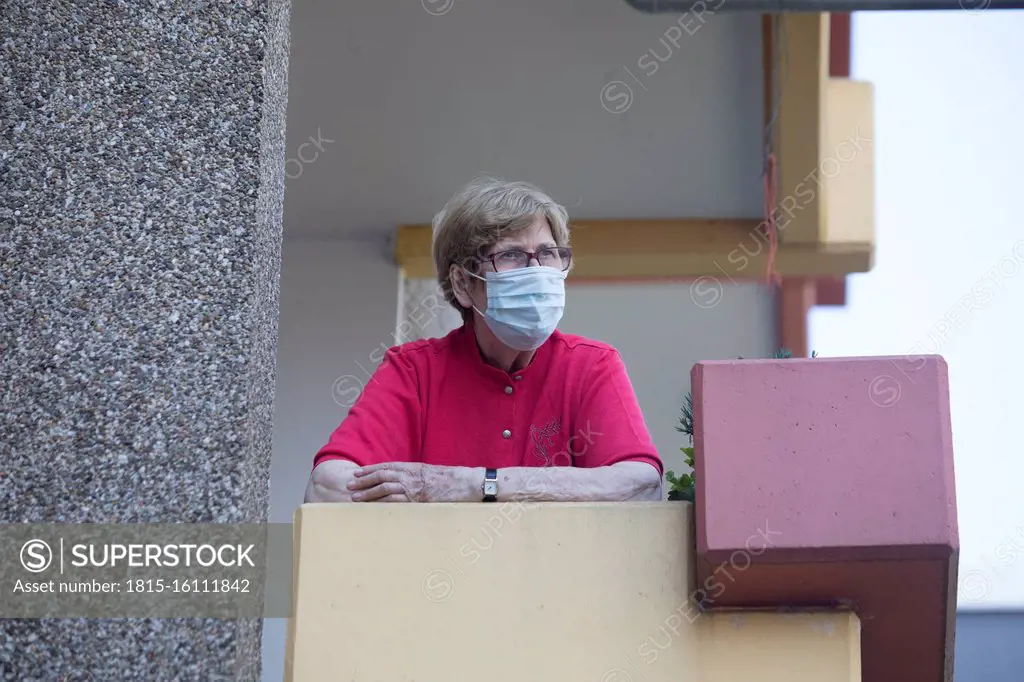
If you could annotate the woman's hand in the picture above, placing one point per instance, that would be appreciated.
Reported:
(416, 482)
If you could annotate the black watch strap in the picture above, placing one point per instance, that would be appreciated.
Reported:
(491, 485)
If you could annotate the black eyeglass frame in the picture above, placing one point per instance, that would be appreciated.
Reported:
(530, 255)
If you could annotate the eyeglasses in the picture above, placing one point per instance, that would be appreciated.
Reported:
(559, 257)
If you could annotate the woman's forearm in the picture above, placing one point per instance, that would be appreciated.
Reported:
(615, 483)
(344, 481)
(329, 481)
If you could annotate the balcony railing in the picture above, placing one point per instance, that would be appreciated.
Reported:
(822, 546)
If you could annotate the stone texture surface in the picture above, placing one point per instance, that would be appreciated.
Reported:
(825, 482)
(140, 225)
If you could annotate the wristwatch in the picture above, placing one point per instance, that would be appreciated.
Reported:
(491, 485)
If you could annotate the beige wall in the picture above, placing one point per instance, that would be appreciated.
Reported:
(587, 593)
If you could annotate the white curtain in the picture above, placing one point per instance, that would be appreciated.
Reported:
(423, 313)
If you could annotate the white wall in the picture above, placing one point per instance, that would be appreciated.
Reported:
(661, 332)
(338, 305)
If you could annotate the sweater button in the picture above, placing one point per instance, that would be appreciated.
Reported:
(506, 434)
(508, 390)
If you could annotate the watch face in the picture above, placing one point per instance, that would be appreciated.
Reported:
(490, 488)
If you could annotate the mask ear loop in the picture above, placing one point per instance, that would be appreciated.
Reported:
(466, 271)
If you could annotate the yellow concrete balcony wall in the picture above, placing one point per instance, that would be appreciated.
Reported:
(537, 592)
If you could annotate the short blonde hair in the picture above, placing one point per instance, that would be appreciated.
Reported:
(479, 216)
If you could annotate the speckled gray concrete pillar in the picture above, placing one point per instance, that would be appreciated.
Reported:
(141, 191)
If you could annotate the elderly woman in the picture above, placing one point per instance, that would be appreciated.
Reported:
(505, 407)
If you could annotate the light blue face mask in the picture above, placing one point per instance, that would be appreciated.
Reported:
(524, 305)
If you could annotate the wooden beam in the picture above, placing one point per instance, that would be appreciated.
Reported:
(800, 130)
(839, 55)
(796, 298)
(830, 291)
(824, 134)
(615, 249)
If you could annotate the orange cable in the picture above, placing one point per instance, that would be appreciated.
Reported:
(771, 180)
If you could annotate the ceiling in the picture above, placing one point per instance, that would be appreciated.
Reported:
(411, 100)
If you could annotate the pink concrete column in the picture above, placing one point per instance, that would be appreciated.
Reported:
(829, 482)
